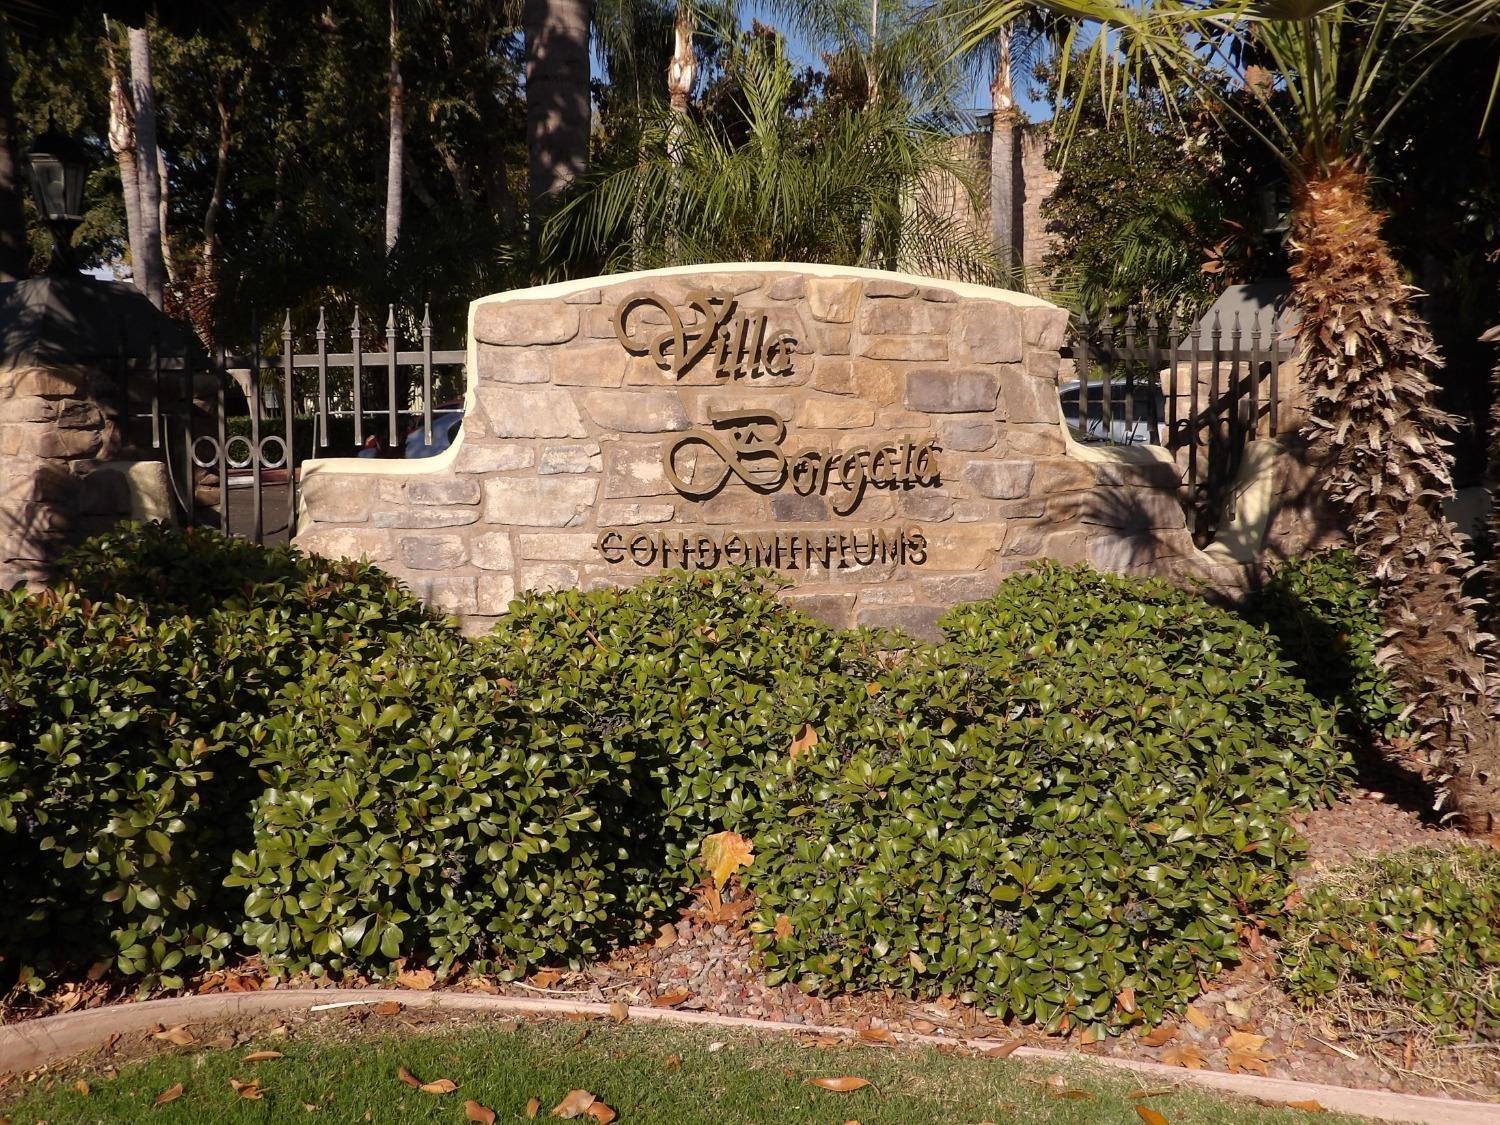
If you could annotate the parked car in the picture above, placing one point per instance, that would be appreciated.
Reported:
(447, 419)
(1146, 410)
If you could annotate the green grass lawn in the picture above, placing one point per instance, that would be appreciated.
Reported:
(660, 1075)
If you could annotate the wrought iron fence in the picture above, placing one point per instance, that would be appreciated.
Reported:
(1202, 391)
(235, 426)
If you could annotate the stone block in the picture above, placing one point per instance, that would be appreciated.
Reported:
(415, 518)
(926, 505)
(42, 440)
(571, 459)
(955, 589)
(918, 348)
(636, 412)
(492, 551)
(590, 365)
(28, 408)
(787, 288)
(513, 365)
(525, 322)
(831, 609)
(475, 458)
(941, 296)
(545, 577)
(446, 593)
(736, 505)
(494, 593)
(972, 435)
(831, 339)
(584, 297)
(337, 497)
(46, 381)
(539, 502)
(428, 490)
(919, 621)
(1043, 364)
(788, 507)
(832, 299)
(634, 470)
(557, 546)
(1040, 440)
(887, 287)
(992, 333)
(1028, 399)
(432, 552)
(531, 412)
(956, 391)
(904, 318)
(1046, 327)
(630, 513)
(727, 400)
(954, 548)
(1000, 480)
(835, 414)
(74, 414)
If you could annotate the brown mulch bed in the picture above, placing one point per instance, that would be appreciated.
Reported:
(704, 965)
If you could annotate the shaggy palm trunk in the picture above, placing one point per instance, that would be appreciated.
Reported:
(122, 144)
(151, 269)
(1374, 426)
(558, 113)
(395, 138)
(1003, 121)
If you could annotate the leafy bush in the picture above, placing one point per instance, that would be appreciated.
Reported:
(1419, 930)
(1322, 612)
(1068, 811)
(130, 694)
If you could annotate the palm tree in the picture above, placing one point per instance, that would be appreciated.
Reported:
(395, 136)
(151, 269)
(1303, 78)
(848, 187)
(558, 112)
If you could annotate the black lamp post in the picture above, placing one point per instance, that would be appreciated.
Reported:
(58, 165)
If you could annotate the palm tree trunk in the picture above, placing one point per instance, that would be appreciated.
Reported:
(558, 115)
(15, 251)
(397, 140)
(1365, 357)
(151, 270)
(122, 144)
(1003, 121)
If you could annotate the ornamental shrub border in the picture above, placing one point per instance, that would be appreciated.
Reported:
(1067, 812)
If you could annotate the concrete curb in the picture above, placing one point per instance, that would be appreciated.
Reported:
(33, 1044)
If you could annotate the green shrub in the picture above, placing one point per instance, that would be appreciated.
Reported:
(1419, 930)
(129, 696)
(1083, 793)
(1322, 612)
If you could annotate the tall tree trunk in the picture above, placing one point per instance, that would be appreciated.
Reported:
(122, 144)
(397, 140)
(682, 68)
(15, 251)
(1004, 119)
(557, 100)
(151, 270)
(163, 207)
(203, 303)
(1365, 357)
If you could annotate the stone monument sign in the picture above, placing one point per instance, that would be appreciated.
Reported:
(893, 445)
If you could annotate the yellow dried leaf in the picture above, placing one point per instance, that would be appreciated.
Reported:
(546, 978)
(1126, 1000)
(575, 1104)
(170, 1094)
(672, 999)
(82, 1087)
(783, 927)
(843, 1084)
(917, 964)
(619, 1011)
(601, 1113)
(439, 1086)
(533, 1106)
(262, 1056)
(473, 1111)
(408, 1077)
(1308, 1106)
(1246, 1061)
(1186, 1055)
(1198, 1018)
(876, 1035)
(418, 979)
(250, 1090)
(1151, 1116)
(1002, 1050)
(181, 1036)
(724, 853)
(1244, 1042)
(804, 741)
(388, 1008)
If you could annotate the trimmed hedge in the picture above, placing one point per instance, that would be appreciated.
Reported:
(1419, 930)
(1067, 811)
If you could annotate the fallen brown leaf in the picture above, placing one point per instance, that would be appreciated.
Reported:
(1125, 1001)
(82, 1087)
(1057, 1086)
(1151, 1116)
(724, 853)
(389, 1008)
(601, 1113)
(876, 1035)
(473, 1111)
(419, 980)
(408, 1077)
(533, 1106)
(1239, 1061)
(671, 999)
(804, 741)
(546, 978)
(1186, 1055)
(1244, 1041)
(783, 927)
(262, 1056)
(619, 1011)
(1308, 1106)
(178, 1035)
(1160, 1034)
(674, 1061)
(843, 1084)
(1002, 1050)
(249, 1090)
(1198, 1018)
(439, 1086)
(170, 1094)
(575, 1104)
(1153, 1092)
(667, 937)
